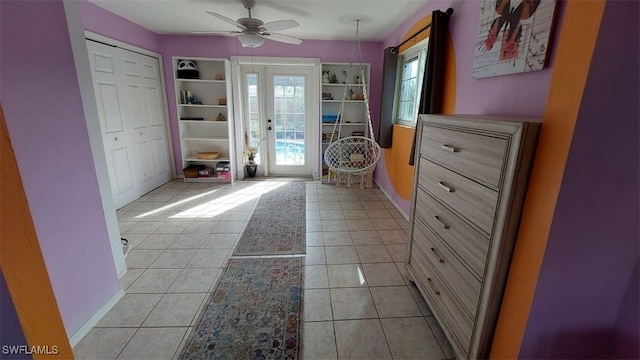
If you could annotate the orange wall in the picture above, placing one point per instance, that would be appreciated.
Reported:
(397, 156)
(571, 64)
(574, 50)
(22, 263)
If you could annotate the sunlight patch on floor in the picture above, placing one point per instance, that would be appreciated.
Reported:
(225, 203)
(174, 204)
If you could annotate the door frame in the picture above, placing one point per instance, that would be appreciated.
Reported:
(83, 70)
(238, 103)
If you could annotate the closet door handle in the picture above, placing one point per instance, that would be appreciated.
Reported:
(448, 148)
(443, 225)
(445, 187)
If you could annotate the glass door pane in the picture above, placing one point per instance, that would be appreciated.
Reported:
(253, 113)
(289, 122)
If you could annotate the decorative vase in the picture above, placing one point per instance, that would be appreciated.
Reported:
(250, 169)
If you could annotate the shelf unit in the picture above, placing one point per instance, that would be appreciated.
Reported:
(200, 118)
(354, 117)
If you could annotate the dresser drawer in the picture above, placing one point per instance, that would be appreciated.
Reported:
(463, 285)
(477, 156)
(456, 320)
(469, 244)
(471, 200)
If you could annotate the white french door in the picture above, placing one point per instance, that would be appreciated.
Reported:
(279, 117)
(289, 120)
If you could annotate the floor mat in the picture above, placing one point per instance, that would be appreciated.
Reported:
(255, 312)
(277, 226)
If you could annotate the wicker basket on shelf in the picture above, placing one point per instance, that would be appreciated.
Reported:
(207, 155)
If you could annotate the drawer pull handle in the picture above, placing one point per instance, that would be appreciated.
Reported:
(443, 225)
(448, 148)
(445, 187)
(429, 280)
(441, 261)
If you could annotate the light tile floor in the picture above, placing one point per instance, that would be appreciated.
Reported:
(358, 303)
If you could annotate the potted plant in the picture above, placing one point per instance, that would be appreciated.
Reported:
(250, 167)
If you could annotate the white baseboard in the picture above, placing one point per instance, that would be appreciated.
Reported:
(84, 329)
(405, 215)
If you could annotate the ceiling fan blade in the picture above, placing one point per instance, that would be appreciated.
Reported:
(280, 25)
(282, 38)
(215, 32)
(230, 21)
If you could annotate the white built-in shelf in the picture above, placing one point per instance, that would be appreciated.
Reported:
(205, 180)
(203, 106)
(190, 158)
(205, 122)
(342, 85)
(202, 81)
(205, 138)
(349, 78)
(206, 134)
(345, 124)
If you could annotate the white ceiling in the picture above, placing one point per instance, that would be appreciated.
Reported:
(318, 19)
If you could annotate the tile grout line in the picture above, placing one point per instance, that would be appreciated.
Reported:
(359, 262)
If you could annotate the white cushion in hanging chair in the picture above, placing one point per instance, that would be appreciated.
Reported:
(352, 155)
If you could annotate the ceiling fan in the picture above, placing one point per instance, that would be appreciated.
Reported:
(254, 31)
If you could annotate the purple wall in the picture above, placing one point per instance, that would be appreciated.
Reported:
(106, 23)
(103, 22)
(225, 47)
(520, 95)
(586, 300)
(10, 329)
(627, 328)
(45, 118)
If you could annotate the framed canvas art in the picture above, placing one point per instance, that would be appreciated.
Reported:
(513, 36)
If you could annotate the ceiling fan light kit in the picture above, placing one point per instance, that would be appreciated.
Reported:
(250, 40)
(253, 32)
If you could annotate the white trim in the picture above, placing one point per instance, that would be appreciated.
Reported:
(87, 326)
(237, 63)
(419, 50)
(236, 85)
(268, 60)
(91, 116)
(110, 41)
(405, 215)
(85, 83)
(416, 47)
(93, 125)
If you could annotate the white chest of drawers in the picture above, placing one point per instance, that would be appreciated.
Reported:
(471, 175)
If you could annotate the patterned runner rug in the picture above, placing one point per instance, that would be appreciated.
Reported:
(255, 312)
(277, 226)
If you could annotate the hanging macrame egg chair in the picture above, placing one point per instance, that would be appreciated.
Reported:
(353, 158)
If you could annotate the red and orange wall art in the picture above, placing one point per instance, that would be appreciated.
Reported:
(513, 36)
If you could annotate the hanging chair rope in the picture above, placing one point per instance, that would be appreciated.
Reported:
(353, 155)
